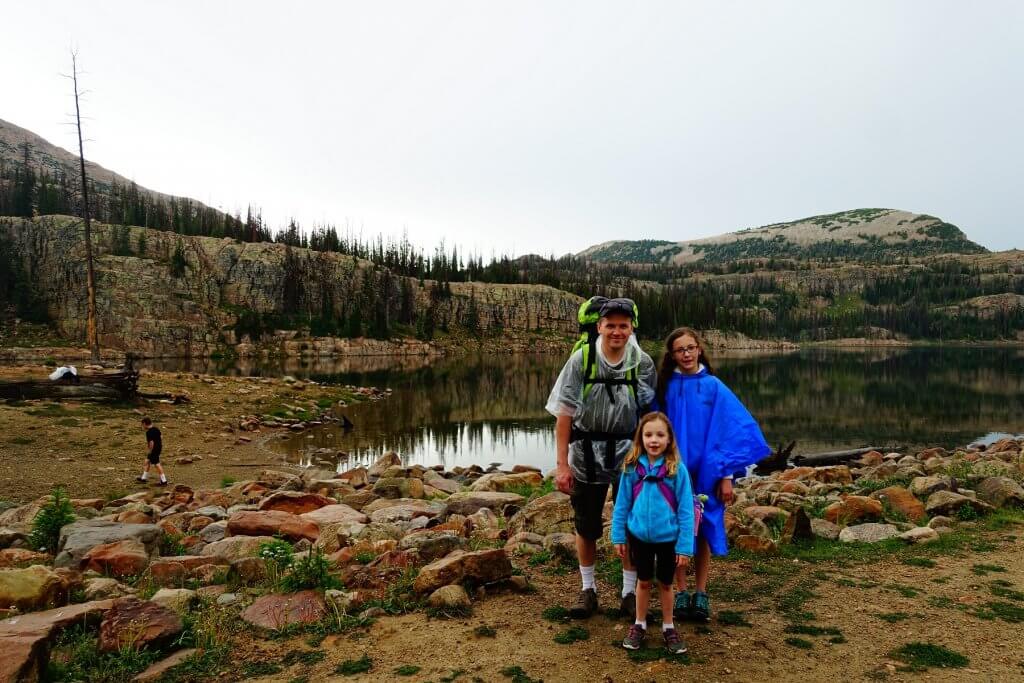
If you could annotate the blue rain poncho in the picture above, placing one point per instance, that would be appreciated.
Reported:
(717, 437)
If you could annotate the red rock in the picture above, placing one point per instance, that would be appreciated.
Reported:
(172, 571)
(197, 524)
(902, 501)
(119, 559)
(870, 458)
(203, 498)
(766, 513)
(272, 523)
(342, 557)
(278, 611)
(133, 517)
(135, 623)
(169, 526)
(483, 566)
(190, 541)
(21, 557)
(853, 509)
(182, 494)
(25, 640)
(94, 503)
(333, 514)
(158, 669)
(295, 502)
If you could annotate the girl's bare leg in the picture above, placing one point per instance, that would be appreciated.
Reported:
(643, 599)
(665, 592)
(703, 566)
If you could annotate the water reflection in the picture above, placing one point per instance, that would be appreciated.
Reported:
(489, 409)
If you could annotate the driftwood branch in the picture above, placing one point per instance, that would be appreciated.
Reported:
(834, 457)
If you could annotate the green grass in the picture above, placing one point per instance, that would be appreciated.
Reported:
(1006, 611)
(453, 676)
(799, 643)
(76, 657)
(21, 440)
(905, 591)
(227, 481)
(351, 667)
(920, 656)
(555, 613)
(572, 635)
(406, 670)
(653, 654)
(1004, 592)
(983, 569)
(918, 562)
(517, 675)
(257, 669)
(308, 657)
(539, 558)
(732, 618)
(485, 631)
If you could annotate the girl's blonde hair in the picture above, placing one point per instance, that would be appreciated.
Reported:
(671, 453)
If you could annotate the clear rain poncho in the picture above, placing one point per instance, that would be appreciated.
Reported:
(608, 408)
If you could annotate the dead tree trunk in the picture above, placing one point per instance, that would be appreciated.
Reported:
(91, 333)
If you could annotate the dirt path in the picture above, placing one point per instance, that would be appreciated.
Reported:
(944, 605)
(97, 449)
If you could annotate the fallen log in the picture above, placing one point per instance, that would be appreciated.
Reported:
(835, 457)
(110, 386)
(776, 462)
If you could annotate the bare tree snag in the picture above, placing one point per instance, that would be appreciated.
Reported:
(91, 333)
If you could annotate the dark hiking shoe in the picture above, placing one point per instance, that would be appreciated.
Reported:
(700, 607)
(163, 483)
(673, 643)
(586, 604)
(627, 608)
(635, 638)
(681, 608)
(141, 480)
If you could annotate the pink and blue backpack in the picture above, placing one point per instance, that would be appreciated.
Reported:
(657, 477)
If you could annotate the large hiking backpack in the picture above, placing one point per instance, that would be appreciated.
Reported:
(588, 315)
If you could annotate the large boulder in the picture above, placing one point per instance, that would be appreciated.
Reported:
(920, 534)
(766, 513)
(1001, 492)
(545, 515)
(389, 511)
(275, 612)
(868, 533)
(103, 588)
(174, 570)
(78, 538)
(824, 529)
(30, 588)
(177, 599)
(468, 502)
(119, 559)
(399, 487)
(500, 481)
(435, 480)
(294, 502)
(131, 622)
(357, 477)
(25, 641)
(235, 547)
(834, 474)
(926, 486)
(902, 502)
(389, 459)
(334, 514)
(449, 598)
(482, 566)
(949, 504)
(272, 523)
(430, 546)
(852, 509)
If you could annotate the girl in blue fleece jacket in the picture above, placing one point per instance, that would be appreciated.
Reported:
(654, 511)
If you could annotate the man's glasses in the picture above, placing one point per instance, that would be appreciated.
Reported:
(687, 350)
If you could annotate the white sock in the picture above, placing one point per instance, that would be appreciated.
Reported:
(588, 577)
(163, 478)
(628, 582)
(642, 623)
(144, 476)
(665, 626)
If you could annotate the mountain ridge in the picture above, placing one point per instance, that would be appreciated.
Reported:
(856, 234)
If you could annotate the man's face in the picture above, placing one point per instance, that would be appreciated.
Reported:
(616, 330)
(145, 427)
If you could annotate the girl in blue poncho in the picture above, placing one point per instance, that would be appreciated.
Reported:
(717, 437)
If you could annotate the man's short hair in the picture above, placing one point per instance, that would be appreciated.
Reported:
(146, 421)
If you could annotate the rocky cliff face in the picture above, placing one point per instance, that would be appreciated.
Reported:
(146, 307)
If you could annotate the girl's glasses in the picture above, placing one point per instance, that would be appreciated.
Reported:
(686, 350)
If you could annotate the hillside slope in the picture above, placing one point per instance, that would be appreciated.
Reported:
(859, 234)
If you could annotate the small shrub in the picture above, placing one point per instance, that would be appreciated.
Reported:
(406, 670)
(517, 675)
(983, 569)
(257, 669)
(278, 556)
(351, 667)
(809, 630)
(920, 656)
(227, 481)
(312, 571)
(571, 635)
(363, 557)
(893, 617)
(732, 618)
(966, 513)
(170, 545)
(48, 522)
(919, 562)
(485, 631)
(308, 657)
(800, 643)
(539, 558)
(555, 613)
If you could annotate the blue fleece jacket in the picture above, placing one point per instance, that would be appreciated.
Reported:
(650, 518)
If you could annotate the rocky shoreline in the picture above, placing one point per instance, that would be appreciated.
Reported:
(322, 550)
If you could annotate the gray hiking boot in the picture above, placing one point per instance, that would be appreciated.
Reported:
(586, 604)
(634, 640)
(673, 643)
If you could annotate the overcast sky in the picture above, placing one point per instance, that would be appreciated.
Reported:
(542, 126)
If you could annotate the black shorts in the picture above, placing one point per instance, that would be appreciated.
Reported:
(153, 458)
(588, 507)
(643, 556)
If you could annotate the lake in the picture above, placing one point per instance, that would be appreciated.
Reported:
(490, 409)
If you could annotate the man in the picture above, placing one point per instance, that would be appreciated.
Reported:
(155, 445)
(597, 401)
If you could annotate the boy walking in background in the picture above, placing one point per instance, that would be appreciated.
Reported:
(154, 445)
